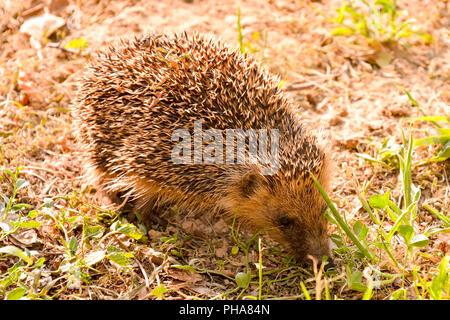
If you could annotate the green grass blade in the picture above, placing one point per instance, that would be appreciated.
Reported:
(428, 118)
(12, 250)
(415, 104)
(342, 223)
(368, 293)
(432, 140)
(439, 215)
(305, 291)
(371, 159)
(405, 170)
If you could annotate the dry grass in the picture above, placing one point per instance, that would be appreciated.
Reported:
(91, 253)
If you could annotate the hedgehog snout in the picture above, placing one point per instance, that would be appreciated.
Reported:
(317, 250)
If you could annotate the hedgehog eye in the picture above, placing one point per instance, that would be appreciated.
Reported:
(285, 221)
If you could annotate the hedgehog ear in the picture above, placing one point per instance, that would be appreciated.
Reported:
(250, 183)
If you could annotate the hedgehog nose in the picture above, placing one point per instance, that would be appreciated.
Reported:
(318, 251)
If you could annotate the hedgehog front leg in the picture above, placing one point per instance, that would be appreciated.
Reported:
(105, 195)
(150, 208)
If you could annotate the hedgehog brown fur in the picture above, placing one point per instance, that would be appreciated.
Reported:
(135, 94)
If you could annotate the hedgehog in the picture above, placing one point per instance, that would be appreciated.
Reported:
(139, 91)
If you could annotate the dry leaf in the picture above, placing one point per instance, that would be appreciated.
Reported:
(222, 251)
(184, 275)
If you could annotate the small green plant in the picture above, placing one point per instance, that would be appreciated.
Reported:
(439, 287)
(338, 220)
(159, 292)
(378, 20)
(81, 251)
(441, 134)
(385, 153)
(390, 217)
(9, 205)
(441, 137)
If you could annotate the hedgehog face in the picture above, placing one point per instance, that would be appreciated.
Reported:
(293, 213)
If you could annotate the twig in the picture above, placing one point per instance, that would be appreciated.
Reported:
(69, 50)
